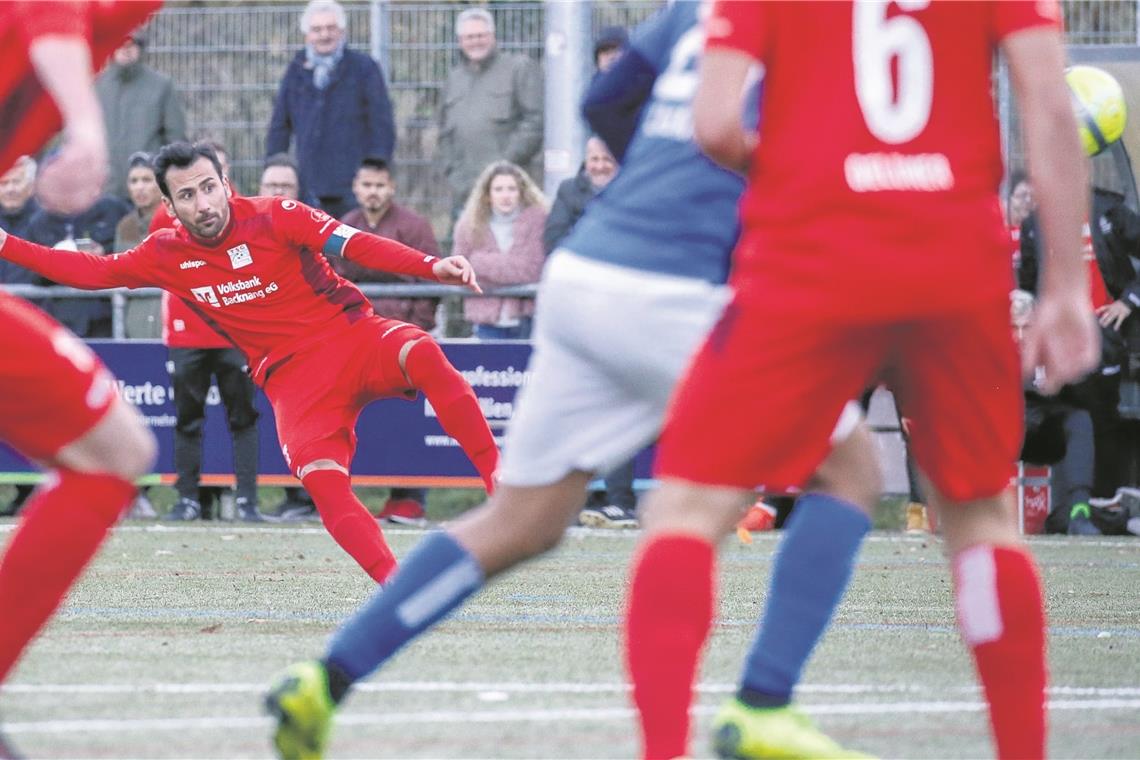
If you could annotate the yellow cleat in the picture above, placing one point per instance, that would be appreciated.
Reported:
(300, 702)
(740, 731)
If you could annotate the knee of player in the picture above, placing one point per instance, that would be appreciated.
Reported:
(134, 453)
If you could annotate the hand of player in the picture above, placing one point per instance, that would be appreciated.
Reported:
(73, 179)
(1113, 314)
(456, 270)
(1061, 341)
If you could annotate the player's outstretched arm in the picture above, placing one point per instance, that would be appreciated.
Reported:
(78, 270)
(456, 270)
(72, 180)
(1062, 338)
(718, 108)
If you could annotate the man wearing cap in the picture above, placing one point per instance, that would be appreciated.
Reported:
(140, 107)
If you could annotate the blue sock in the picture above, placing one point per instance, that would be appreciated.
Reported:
(809, 577)
(434, 580)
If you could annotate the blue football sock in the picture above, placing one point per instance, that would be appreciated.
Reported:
(434, 580)
(809, 577)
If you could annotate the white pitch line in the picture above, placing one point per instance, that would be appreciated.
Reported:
(517, 687)
(460, 717)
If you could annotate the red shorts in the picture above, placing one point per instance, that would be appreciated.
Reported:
(318, 394)
(53, 389)
(760, 399)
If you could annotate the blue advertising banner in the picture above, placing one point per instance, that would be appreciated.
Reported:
(400, 442)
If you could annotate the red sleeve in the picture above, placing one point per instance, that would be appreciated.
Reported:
(739, 25)
(1011, 16)
(36, 19)
(161, 219)
(312, 228)
(86, 271)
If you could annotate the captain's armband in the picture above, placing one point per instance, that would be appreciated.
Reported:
(339, 239)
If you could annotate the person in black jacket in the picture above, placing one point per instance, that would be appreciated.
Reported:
(333, 106)
(1113, 237)
(598, 168)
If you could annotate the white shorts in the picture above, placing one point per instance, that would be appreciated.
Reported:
(610, 344)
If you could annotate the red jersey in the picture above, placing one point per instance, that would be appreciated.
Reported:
(264, 284)
(181, 325)
(873, 188)
(28, 116)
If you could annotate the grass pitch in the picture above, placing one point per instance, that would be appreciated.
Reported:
(165, 647)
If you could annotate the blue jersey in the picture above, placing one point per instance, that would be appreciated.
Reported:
(669, 209)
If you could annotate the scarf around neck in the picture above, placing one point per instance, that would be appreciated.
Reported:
(323, 65)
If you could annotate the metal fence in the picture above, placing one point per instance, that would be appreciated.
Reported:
(227, 60)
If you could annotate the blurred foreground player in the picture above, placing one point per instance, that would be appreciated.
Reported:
(58, 405)
(255, 269)
(624, 303)
(873, 249)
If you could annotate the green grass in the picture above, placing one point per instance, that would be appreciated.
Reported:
(174, 632)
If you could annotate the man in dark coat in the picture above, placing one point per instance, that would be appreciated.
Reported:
(333, 106)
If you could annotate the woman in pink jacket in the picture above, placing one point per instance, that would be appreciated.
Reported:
(500, 233)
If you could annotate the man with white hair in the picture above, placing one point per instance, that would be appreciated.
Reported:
(333, 107)
(490, 108)
(17, 201)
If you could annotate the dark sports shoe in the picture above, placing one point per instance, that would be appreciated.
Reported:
(185, 510)
(404, 512)
(247, 510)
(609, 516)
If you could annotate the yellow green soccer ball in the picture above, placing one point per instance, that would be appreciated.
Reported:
(1098, 102)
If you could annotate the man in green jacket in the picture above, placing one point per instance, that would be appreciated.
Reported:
(491, 108)
(140, 107)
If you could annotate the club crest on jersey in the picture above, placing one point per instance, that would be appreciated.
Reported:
(240, 256)
(206, 294)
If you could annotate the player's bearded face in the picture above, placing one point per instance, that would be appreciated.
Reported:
(199, 198)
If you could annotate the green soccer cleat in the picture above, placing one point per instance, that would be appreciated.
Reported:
(300, 702)
(740, 731)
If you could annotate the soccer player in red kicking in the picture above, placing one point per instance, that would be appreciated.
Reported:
(255, 269)
(58, 404)
(873, 248)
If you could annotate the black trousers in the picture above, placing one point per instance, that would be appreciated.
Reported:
(194, 368)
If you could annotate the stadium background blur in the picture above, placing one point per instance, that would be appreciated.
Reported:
(227, 59)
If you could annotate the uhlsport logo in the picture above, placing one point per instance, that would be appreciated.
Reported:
(192, 264)
(206, 294)
(240, 256)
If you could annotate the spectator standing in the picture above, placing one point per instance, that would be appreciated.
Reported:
(491, 107)
(199, 356)
(17, 201)
(500, 233)
(609, 45)
(142, 189)
(17, 208)
(333, 106)
(90, 231)
(140, 107)
(377, 212)
(598, 168)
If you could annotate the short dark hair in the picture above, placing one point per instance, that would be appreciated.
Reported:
(180, 155)
(375, 163)
(282, 159)
(140, 158)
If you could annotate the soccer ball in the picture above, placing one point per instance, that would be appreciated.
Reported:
(1098, 102)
